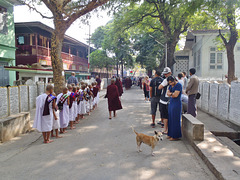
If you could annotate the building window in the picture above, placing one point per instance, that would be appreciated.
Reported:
(80, 68)
(3, 20)
(20, 40)
(43, 62)
(238, 48)
(195, 59)
(65, 66)
(73, 67)
(216, 59)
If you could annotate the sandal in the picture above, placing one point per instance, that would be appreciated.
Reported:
(153, 125)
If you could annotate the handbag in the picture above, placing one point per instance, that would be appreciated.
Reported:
(198, 95)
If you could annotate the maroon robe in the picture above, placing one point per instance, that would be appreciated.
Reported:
(95, 91)
(99, 83)
(128, 83)
(113, 98)
(120, 88)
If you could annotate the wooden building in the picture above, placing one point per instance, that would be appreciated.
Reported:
(33, 42)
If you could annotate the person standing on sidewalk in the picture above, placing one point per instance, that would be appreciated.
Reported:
(174, 109)
(155, 94)
(192, 90)
(185, 80)
(164, 98)
(114, 102)
(146, 88)
(73, 79)
(45, 106)
(118, 83)
(98, 80)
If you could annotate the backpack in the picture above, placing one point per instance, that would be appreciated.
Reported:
(157, 82)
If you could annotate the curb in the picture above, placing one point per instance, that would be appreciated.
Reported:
(218, 158)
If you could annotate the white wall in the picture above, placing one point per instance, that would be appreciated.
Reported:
(205, 42)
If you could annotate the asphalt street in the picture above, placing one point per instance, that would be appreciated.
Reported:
(103, 149)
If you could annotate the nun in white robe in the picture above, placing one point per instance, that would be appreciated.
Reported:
(64, 114)
(43, 123)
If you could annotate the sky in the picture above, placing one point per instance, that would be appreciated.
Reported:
(78, 30)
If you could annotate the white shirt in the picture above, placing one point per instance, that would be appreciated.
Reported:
(164, 83)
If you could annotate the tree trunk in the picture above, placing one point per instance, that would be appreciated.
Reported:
(171, 46)
(231, 63)
(107, 75)
(122, 67)
(57, 64)
(170, 54)
(149, 73)
(117, 68)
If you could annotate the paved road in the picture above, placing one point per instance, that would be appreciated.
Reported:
(103, 149)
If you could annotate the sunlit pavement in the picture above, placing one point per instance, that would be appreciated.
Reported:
(104, 149)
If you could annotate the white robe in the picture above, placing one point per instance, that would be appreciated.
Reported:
(56, 123)
(83, 107)
(75, 108)
(43, 123)
(64, 114)
(97, 99)
(71, 113)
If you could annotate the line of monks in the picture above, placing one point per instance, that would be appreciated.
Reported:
(54, 113)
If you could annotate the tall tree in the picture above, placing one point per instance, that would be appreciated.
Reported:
(147, 50)
(109, 38)
(64, 13)
(173, 16)
(99, 59)
(225, 13)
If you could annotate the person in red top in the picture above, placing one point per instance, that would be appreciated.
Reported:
(118, 83)
(146, 88)
(114, 102)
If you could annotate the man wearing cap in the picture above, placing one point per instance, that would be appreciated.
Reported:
(192, 90)
(164, 98)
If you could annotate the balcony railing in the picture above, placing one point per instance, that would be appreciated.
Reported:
(28, 50)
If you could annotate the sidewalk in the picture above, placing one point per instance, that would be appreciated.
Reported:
(104, 149)
(18, 144)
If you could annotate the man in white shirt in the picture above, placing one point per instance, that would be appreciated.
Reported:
(164, 99)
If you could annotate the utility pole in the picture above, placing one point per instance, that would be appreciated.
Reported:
(166, 55)
(89, 47)
(162, 46)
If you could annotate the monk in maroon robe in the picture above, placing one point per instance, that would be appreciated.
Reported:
(114, 102)
(118, 83)
(128, 83)
(98, 83)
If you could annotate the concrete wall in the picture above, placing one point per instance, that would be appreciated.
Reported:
(221, 100)
(17, 99)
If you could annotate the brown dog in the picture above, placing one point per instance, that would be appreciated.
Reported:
(149, 140)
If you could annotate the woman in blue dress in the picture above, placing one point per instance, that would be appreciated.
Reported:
(174, 109)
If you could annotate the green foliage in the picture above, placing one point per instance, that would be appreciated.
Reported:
(109, 38)
(99, 59)
(148, 50)
(203, 19)
(98, 37)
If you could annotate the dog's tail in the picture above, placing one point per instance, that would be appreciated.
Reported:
(134, 130)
